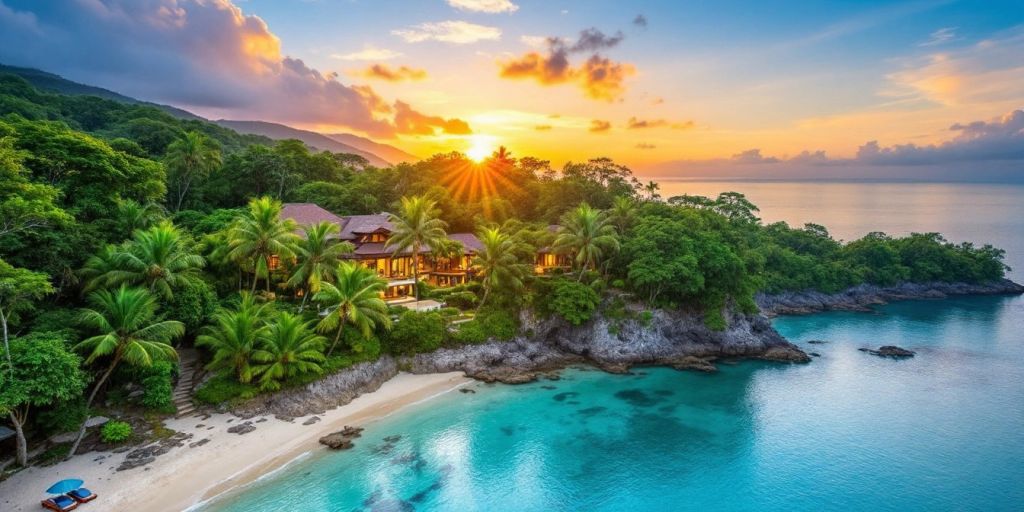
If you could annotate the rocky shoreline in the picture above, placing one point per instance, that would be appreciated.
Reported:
(669, 338)
(862, 297)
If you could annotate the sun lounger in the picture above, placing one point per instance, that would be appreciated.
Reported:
(82, 495)
(60, 503)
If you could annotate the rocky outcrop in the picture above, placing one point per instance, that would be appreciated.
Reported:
(890, 351)
(342, 439)
(671, 338)
(327, 393)
(862, 297)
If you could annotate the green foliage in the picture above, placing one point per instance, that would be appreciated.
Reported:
(461, 300)
(500, 324)
(288, 348)
(44, 372)
(471, 332)
(415, 332)
(224, 389)
(114, 432)
(573, 301)
(157, 388)
(193, 305)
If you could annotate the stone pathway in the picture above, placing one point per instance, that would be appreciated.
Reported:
(188, 361)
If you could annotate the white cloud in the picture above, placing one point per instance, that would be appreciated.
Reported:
(368, 53)
(535, 41)
(940, 36)
(489, 6)
(457, 32)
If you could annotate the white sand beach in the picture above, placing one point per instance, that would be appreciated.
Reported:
(186, 476)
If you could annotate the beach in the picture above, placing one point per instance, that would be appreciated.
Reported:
(189, 475)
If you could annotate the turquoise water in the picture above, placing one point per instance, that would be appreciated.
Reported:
(941, 431)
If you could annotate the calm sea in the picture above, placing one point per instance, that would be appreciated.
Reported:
(850, 431)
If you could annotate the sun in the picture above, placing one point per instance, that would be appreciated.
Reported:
(481, 147)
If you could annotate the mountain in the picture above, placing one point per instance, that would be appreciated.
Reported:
(316, 140)
(50, 82)
(389, 153)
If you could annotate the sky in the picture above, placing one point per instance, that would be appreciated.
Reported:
(764, 89)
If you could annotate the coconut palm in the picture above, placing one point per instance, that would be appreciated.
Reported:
(498, 263)
(622, 213)
(129, 332)
(318, 255)
(158, 258)
(260, 235)
(287, 348)
(234, 337)
(587, 234)
(354, 298)
(133, 215)
(417, 226)
(192, 156)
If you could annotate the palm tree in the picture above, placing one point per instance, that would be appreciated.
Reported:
(318, 255)
(158, 258)
(128, 332)
(261, 235)
(234, 337)
(622, 213)
(99, 268)
(193, 155)
(416, 227)
(354, 298)
(133, 215)
(498, 263)
(652, 190)
(586, 233)
(287, 348)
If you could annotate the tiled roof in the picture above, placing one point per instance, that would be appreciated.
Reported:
(308, 213)
(470, 243)
(364, 224)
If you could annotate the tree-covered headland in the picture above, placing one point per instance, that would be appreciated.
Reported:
(126, 233)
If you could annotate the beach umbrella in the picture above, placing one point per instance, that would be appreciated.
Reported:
(65, 486)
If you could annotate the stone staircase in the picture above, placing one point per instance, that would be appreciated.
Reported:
(188, 364)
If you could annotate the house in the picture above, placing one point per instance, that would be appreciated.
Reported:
(369, 234)
(548, 261)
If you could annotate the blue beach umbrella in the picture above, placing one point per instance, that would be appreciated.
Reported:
(65, 486)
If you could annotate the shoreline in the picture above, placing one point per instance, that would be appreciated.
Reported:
(193, 474)
(861, 298)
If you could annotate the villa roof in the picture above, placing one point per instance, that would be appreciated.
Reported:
(308, 213)
(354, 225)
(469, 241)
(364, 225)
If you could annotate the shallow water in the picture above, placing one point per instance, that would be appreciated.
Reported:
(851, 431)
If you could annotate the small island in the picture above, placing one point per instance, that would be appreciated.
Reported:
(160, 273)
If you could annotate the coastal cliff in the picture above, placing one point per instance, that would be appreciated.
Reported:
(862, 297)
(670, 338)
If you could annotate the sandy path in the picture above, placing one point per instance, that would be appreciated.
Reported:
(186, 476)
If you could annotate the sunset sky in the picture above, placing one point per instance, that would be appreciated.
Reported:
(660, 85)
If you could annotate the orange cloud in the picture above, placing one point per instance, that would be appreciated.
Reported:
(600, 77)
(399, 74)
(598, 126)
(637, 124)
(409, 121)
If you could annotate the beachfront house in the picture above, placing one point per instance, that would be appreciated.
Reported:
(369, 234)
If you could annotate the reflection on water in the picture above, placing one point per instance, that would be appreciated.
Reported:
(979, 213)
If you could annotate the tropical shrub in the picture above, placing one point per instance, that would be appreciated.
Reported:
(115, 432)
(573, 301)
(462, 300)
(471, 332)
(157, 388)
(222, 389)
(415, 332)
(500, 324)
